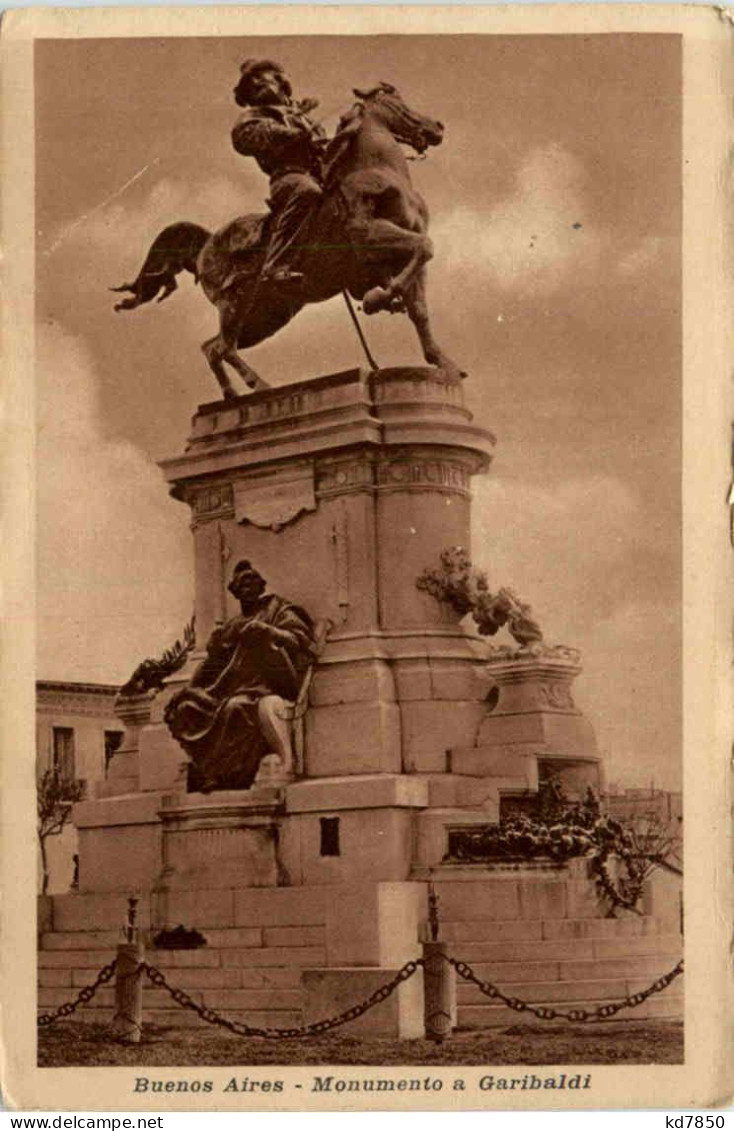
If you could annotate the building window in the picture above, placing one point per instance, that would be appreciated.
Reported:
(330, 836)
(63, 752)
(112, 743)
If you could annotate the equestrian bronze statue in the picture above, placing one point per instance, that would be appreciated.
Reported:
(344, 218)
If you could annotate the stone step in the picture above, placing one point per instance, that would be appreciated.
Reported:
(633, 966)
(568, 950)
(77, 911)
(467, 994)
(155, 998)
(666, 1005)
(255, 956)
(630, 926)
(538, 950)
(215, 939)
(501, 973)
(180, 1018)
(204, 909)
(534, 992)
(523, 930)
(237, 977)
(80, 940)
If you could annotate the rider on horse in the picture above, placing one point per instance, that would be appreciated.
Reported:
(286, 144)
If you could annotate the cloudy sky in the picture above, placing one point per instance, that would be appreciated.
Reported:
(555, 203)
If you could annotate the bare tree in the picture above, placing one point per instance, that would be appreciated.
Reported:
(55, 795)
(656, 842)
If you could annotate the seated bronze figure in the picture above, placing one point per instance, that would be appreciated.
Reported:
(232, 712)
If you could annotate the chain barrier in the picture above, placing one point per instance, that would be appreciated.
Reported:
(314, 1029)
(545, 1013)
(83, 997)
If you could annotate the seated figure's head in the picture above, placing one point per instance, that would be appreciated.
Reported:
(246, 584)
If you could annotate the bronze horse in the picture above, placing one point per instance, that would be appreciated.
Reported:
(368, 238)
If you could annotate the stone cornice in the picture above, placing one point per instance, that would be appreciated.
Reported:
(71, 687)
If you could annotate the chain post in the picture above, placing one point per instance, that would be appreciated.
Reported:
(127, 1023)
(132, 911)
(439, 992)
(439, 979)
(433, 911)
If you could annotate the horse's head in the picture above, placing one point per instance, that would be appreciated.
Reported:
(384, 104)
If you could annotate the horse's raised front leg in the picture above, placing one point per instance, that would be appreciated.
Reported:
(417, 308)
(391, 241)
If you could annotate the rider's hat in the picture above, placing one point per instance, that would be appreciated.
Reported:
(248, 70)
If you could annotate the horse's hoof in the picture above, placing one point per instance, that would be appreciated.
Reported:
(376, 299)
(229, 395)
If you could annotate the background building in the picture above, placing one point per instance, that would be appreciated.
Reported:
(77, 733)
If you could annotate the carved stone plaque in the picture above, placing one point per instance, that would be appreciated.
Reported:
(272, 501)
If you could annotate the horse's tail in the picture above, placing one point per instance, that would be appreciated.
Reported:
(175, 249)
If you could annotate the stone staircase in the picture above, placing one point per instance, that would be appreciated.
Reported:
(571, 964)
(546, 939)
(248, 973)
(542, 938)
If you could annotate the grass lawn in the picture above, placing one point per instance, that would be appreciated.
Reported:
(613, 1042)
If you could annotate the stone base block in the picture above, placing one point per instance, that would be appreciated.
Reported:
(432, 830)
(123, 776)
(162, 761)
(329, 992)
(353, 738)
(374, 924)
(364, 680)
(118, 787)
(120, 846)
(224, 839)
(347, 846)
(244, 908)
(457, 791)
(103, 911)
(430, 729)
(549, 731)
(514, 763)
(281, 907)
(363, 791)
(437, 678)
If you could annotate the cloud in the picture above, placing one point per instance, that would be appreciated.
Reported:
(580, 555)
(633, 693)
(563, 548)
(114, 554)
(530, 237)
(118, 227)
(642, 257)
(544, 235)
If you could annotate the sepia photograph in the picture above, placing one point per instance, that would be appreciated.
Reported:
(360, 498)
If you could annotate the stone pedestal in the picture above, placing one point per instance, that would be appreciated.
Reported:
(124, 771)
(532, 728)
(311, 887)
(221, 840)
(342, 490)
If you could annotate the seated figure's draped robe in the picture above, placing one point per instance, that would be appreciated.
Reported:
(215, 718)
